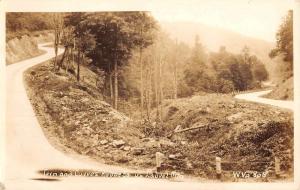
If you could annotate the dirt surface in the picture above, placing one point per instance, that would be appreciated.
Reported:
(283, 91)
(24, 47)
(247, 136)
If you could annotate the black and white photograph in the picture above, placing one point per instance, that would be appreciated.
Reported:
(172, 95)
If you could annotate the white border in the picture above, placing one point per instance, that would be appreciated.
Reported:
(125, 5)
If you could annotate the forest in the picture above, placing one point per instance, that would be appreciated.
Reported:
(139, 63)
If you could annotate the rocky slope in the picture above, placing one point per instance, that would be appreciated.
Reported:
(18, 49)
(74, 118)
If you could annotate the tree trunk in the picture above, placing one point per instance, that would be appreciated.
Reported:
(142, 83)
(111, 87)
(116, 84)
(156, 88)
(149, 89)
(63, 57)
(160, 87)
(175, 80)
(55, 46)
(78, 67)
(73, 55)
(175, 73)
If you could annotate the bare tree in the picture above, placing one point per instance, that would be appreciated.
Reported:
(175, 72)
(57, 23)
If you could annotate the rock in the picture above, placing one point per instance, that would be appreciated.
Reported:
(203, 110)
(118, 143)
(104, 120)
(122, 160)
(86, 131)
(208, 110)
(85, 144)
(103, 142)
(147, 139)
(99, 148)
(65, 108)
(172, 156)
(151, 143)
(183, 142)
(94, 141)
(137, 151)
(189, 165)
(85, 99)
(235, 117)
(178, 155)
(178, 127)
(126, 148)
(166, 142)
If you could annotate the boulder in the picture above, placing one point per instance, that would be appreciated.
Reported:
(172, 156)
(126, 148)
(103, 142)
(118, 143)
(137, 151)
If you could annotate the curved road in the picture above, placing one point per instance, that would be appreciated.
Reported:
(28, 151)
(256, 97)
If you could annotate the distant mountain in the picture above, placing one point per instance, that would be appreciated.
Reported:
(212, 38)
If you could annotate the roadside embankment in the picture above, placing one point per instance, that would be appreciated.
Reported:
(75, 118)
(26, 46)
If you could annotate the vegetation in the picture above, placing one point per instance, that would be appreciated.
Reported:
(284, 43)
(18, 23)
(284, 53)
(142, 65)
(154, 76)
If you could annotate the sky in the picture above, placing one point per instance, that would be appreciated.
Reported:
(255, 18)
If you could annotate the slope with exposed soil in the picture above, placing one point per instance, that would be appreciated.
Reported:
(26, 46)
(74, 118)
(283, 91)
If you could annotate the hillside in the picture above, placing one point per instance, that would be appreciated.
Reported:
(26, 46)
(93, 128)
(213, 38)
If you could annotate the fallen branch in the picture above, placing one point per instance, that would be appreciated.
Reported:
(188, 129)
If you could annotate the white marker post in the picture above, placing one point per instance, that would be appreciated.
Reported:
(159, 160)
(218, 167)
(277, 167)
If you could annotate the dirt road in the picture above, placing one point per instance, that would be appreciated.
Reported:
(28, 151)
(256, 97)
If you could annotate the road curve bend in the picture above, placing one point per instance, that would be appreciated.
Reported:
(28, 150)
(256, 97)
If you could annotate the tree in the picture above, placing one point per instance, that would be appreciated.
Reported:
(115, 36)
(145, 30)
(57, 24)
(68, 42)
(195, 75)
(84, 41)
(284, 39)
(260, 72)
